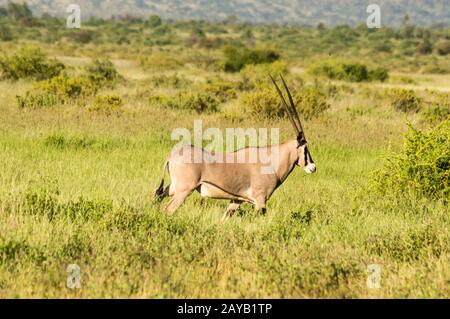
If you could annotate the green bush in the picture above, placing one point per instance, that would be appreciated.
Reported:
(81, 36)
(236, 57)
(264, 101)
(352, 72)
(153, 21)
(436, 113)
(220, 89)
(378, 74)
(199, 102)
(103, 73)
(108, 104)
(439, 110)
(160, 61)
(29, 63)
(405, 101)
(312, 102)
(443, 48)
(5, 33)
(58, 90)
(169, 81)
(425, 47)
(255, 75)
(422, 166)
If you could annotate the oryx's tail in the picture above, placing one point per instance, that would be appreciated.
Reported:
(159, 192)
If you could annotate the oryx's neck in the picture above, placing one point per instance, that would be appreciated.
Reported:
(288, 156)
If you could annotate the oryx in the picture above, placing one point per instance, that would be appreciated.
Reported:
(248, 181)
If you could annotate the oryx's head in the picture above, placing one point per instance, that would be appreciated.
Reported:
(304, 157)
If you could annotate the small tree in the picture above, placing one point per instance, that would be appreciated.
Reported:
(154, 21)
(425, 47)
(19, 11)
(443, 48)
(5, 33)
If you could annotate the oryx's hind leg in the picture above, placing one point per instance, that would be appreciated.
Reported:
(177, 200)
(234, 205)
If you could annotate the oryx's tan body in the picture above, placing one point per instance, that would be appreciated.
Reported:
(248, 175)
(222, 176)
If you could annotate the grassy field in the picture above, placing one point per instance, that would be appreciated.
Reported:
(76, 188)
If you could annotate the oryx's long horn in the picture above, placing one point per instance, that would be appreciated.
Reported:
(294, 110)
(288, 110)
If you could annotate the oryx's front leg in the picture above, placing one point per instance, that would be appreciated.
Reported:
(234, 205)
(260, 205)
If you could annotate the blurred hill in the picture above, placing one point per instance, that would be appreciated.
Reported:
(307, 12)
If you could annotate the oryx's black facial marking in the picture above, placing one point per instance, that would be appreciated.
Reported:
(305, 154)
(301, 139)
(308, 158)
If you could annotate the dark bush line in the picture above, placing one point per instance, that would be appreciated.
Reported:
(236, 57)
(29, 63)
(352, 72)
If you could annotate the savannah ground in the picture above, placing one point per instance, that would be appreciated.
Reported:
(76, 183)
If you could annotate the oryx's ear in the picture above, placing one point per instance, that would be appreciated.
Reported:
(301, 139)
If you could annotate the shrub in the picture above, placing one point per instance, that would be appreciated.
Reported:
(254, 75)
(425, 47)
(378, 74)
(170, 81)
(18, 10)
(353, 72)
(203, 61)
(436, 113)
(236, 57)
(108, 104)
(103, 72)
(161, 30)
(199, 102)
(159, 61)
(312, 102)
(264, 100)
(422, 166)
(29, 63)
(204, 42)
(439, 110)
(59, 90)
(219, 89)
(5, 33)
(153, 21)
(443, 48)
(406, 101)
(81, 36)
